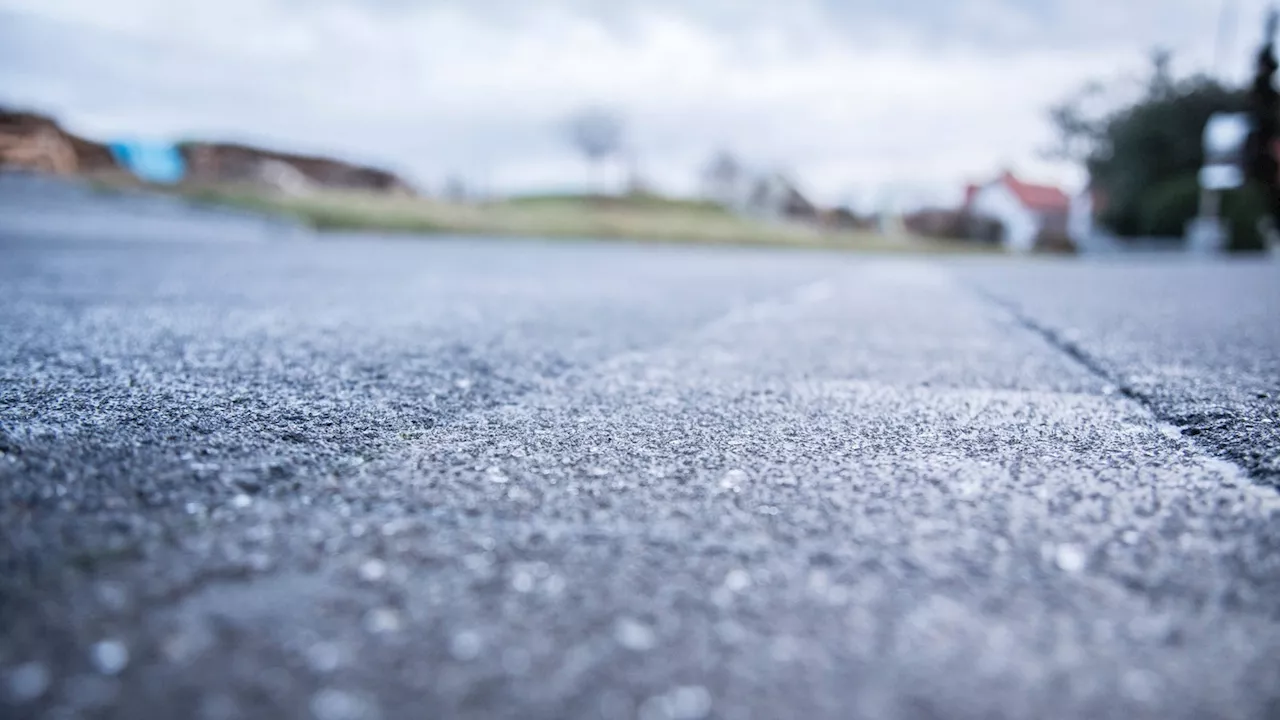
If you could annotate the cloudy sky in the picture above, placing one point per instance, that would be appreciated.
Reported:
(870, 101)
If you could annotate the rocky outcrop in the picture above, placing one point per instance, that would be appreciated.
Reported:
(34, 142)
(30, 141)
(220, 163)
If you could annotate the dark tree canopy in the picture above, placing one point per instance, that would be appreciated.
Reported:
(1143, 158)
(1078, 130)
(1155, 142)
(722, 174)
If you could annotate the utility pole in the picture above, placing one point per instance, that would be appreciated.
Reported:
(1264, 110)
(1226, 39)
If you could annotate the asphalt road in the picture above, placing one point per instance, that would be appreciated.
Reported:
(360, 477)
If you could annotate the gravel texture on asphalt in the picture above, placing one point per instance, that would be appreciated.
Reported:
(389, 478)
(1198, 343)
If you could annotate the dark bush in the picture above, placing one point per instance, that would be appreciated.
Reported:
(1166, 209)
(1244, 211)
(984, 229)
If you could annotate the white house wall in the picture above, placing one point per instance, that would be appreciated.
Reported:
(1080, 218)
(1021, 225)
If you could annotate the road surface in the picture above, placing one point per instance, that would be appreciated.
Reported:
(247, 472)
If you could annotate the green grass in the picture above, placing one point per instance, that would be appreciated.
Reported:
(643, 218)
(634, 202)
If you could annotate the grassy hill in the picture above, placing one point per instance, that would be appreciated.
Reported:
(647, 218)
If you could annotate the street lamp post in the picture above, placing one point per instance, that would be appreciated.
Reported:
(1240, 148)
(1264, 111)
(1225, 138)
(1226, 38)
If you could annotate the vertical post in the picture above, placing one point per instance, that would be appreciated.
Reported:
(1210, 203)
(1260, 164)
(1225, 39)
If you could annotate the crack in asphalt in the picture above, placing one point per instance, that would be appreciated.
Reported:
(1189, 431)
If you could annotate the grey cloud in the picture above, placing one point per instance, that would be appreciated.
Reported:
(119, 81)
(996, 25)
(143, 85)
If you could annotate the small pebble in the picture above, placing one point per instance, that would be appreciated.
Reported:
(334, 704)
(241, 501)
(554, 585)
(382, 621)
(733, 480)
(634, 635)
(786, 481)
(373, 570)
(522, 581)
(1070, 558)
(325, 657)
(186, 643)
(737, 580)
(690, 702)
(113, 596)
(28, 682)
(110, 657)
(466, 646)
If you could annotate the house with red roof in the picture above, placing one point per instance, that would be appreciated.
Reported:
(1029, 215)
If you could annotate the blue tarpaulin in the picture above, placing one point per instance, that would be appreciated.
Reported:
(155, 162)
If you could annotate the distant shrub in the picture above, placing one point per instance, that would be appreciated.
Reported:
(984, 229)
(1245, 210)
(1167, 208)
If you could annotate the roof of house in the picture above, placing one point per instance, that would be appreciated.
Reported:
(1037, 197)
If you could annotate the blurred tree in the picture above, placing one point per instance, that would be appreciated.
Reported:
(637, 183)
(1162, 84)
(1160, 139)
(722, 177)
(597, 134)
(1140, 155)
(455, 189)
(1079, 127)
